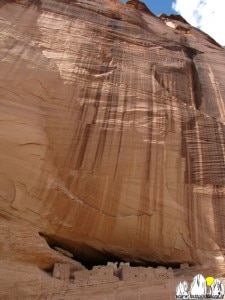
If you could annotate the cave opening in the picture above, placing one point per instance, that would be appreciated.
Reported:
(90, 257)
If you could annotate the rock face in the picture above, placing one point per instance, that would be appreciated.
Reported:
(112, 135)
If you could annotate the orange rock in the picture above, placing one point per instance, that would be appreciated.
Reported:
(112, 131)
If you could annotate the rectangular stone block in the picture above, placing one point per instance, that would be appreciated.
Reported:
(61, 271)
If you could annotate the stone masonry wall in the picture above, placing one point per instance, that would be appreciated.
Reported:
(110, 273)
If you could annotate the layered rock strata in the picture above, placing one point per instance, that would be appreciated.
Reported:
(111, 132)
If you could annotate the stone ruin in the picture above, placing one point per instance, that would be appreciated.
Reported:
(129, 273)
(98, 275)
(110, 273)
(62, 271)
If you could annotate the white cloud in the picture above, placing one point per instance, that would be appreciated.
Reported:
(208, 15)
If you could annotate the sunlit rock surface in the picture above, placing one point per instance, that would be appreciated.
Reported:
(112, 136)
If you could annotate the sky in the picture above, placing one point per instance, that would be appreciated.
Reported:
(207, 15)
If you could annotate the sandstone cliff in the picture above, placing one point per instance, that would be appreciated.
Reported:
(112, 135)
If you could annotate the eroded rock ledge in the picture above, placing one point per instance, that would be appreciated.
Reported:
(139, 5)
